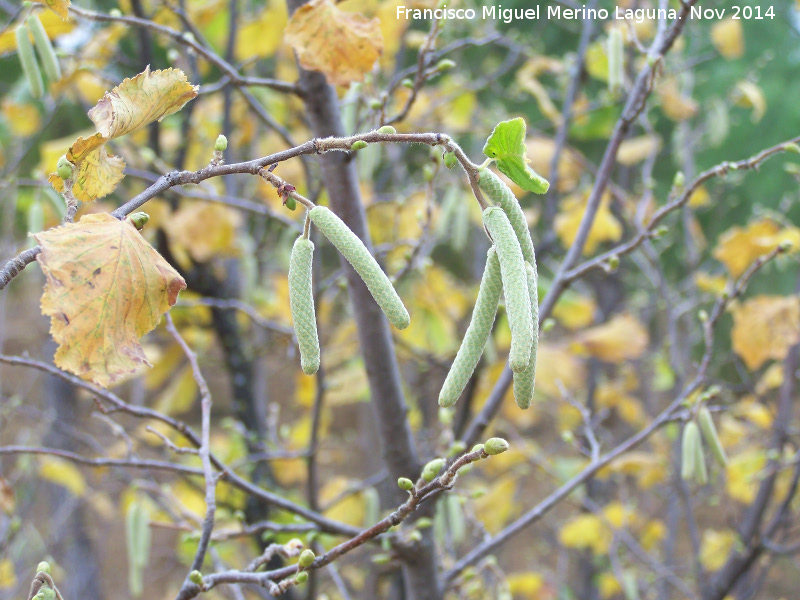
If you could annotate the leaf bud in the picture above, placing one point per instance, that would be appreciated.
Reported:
(139, 219)
(494, 446)
(613, 262)
(702, 315)
(446, 415)
(64, 167)
(679, 180)
(115, 12)
(785, 246)
(307, 558)
(404, 483)
(445, 65)
(221, 144)
(428, 172)
(43, 567)
(423, 523)
(415, 536)
(375, 104)
(301, 577)
(791, 148)
(407, 83)
(450, 160)
(196, 577)
(290, 203)
(388, 129)
(547, 325)
(381, 559)
(431, 470)
(477, 448)
(660, 231)
(359, 145)
(173, 56)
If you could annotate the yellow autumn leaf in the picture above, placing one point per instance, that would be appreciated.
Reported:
(764, 328)
(771, 379)
(621, 338)
(605, 226)
(738, 247)
(349, 508)
(7, 497)
(205, 230)
(22, 117)
(8, 577)
(540, 150)
(647, 468)
(533, 86)
(635, 150)
(586, 532)
(728, 38)
(261, 35)
(675, 105)
(555, 365)
(62, 472)
(180, 393)
(743, 474)
(525, 585)
(700, 197)
(497, 506)
(715, 547)
(752, 410)
(574, 311)
(597, 61)
(343, 46)
(106, 287)
(608, 586)
(134, 103)
(748, 95)
(60, 7)
(652, 533)
(713, 284)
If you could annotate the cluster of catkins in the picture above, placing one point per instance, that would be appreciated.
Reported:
(510, 268)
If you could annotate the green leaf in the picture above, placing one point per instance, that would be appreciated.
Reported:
(506, 146)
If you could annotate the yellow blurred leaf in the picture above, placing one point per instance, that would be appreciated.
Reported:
(540, 151)
(743, 473)
(556, 365)
(525, 585)
(605, 226)
(621, 338)
(700, 197)
(134, 103)
(586, 532)
(497, 506)
(350, 509)
(748, 95)
(260, 36)
(738, 247)
(647, 468)
(53, 26)
(574, 311)
(771, 379)
(728, 38)
(764, 328)
(22, 117)
(60, 7)
(533, 86)
(652, 533)
(608, 585)
(192, 498)
(635, 150)
(713, 284)
(343, 46)
(62, 472)
(100, 305)
(597, 61)
(675, 105)
(205, 230)
(180, 393)
(752, 410)
(8, 578)
(715, 547)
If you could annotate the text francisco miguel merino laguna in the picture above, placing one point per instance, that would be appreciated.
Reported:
(554, 12)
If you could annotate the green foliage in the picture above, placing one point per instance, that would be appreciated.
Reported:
(506, 145)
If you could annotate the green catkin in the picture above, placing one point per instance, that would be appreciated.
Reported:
(515, 286)
(480, 327)
(28, 61)
(690, 442)
(353, 249)
(710, 435)
(502, 196)
(301, 302)
(137, 538)
(524, 382)
(45, 49)
(700, 470)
